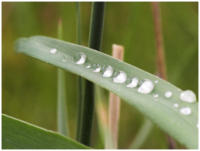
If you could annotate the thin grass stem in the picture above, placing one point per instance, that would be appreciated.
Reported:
(95, 37)
(142, 134)
(80, 84)
(160, 59)
(114, 107)
(61, 95)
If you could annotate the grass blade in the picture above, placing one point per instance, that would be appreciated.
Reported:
(95, 36)
(114, 105)
(80, 80)
(61, 94)
(17, 134)
(160, 59)
(181, 127)
(142, 134)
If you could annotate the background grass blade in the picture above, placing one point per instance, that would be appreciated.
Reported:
(95, 36)
(61, 95)
(17, 134)
(160, 53)
(142, 135)
(80, 80)
(182, 128)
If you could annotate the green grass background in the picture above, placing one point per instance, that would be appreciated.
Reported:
(29, 86)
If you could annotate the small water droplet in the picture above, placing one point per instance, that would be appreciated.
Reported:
(155, 95)
(188, 96)
(53, 51)
(82, 59)
(108, 72)
(120, 78)
(97, 69)
(197, 125)
(168, 94)
(185, 111)
(134, 82)
(176, 105)
(156, 81)
(146, 87)
(64, 60)
(88, 66)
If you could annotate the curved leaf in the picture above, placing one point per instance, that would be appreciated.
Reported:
(17, 134)
(181, 127)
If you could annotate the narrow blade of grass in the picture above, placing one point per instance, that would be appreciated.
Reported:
(114, 106)
(161, 110)
(95, 36)
(17, 134)
(80, 80)
(160, 58)
(142, 134)
(61, 95)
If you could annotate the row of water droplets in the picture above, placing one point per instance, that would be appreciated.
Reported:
(145, 86)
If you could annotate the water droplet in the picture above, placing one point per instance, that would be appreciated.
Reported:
(155, 95)
(168, 94)
(120, 78)
(82, 59)
(146, 87)
(88, 66)
(156, 81)
(197, 125)
(97, 69)
(188, 96)
(53, 51)
(64, 60)
(185, 111)
(108, 72)
(176, 105)
(134, 82)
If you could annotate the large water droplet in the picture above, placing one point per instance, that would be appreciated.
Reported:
(146, 87)
(108, 72)
(120, 78)
(176, 105)
(97, 69)
(134, 82)
(168, 94)
(53, 51)
(188, 96)
(185, 111)
(82, 59)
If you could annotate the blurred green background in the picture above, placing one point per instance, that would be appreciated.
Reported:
(29, 86)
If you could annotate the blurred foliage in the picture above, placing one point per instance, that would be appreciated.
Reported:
(29, 86)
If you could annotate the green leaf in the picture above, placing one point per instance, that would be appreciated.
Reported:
(182, 127)
(17, 134)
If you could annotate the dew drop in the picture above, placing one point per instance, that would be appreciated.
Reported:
(88, 66)
(155, 95)
(156, 81)
(53, 51)
(197, 125)
(64, 60)
(134, 82)
(168, 94)
(188, 96)
(176, 105)
(82, 59)
(185, 111)
(120, 78)
(146, 87)
(97, 69)
(108, 72)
